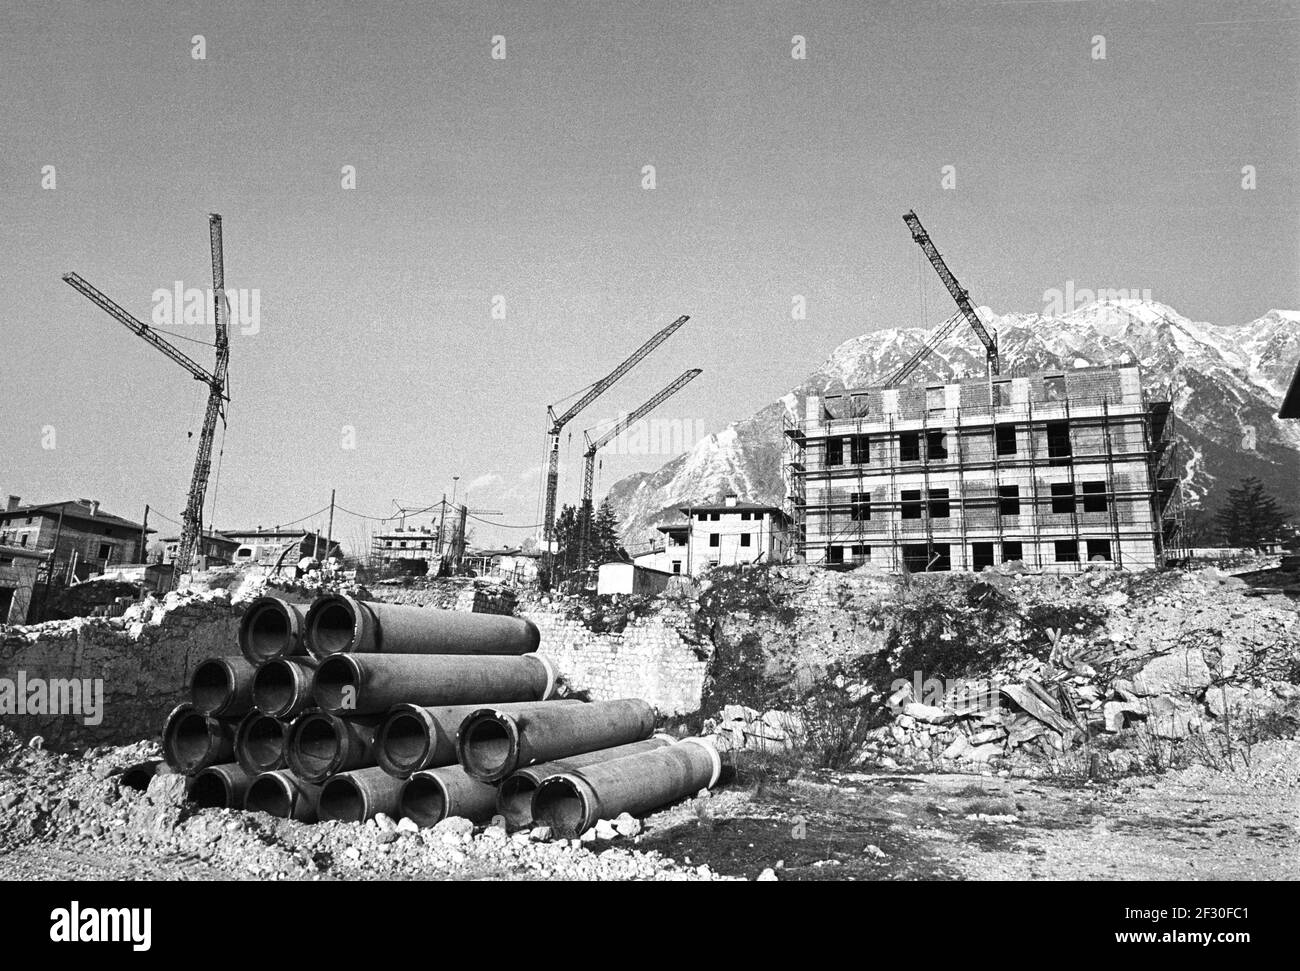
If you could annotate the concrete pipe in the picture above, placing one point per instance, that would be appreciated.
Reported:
(432, 795)
(137, 776)
(222, 686)
(320, 744)
(338, 623)
(193, 741)
(413, 737)
(282, 687)
(283, 794)
(492, 744)
(356, 796)
(515, 794)
(369, 683)
(259, 742)
(573, 802)
(272, 627)
(221, 787)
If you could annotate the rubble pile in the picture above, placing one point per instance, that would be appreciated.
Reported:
(81, 803)
(1195, 658)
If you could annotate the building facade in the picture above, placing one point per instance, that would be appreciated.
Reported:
(85, 538)
(1054, 469)
(18, 569)
(728, 533)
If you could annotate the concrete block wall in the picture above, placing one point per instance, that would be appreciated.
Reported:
(145, 665)
(649, 659)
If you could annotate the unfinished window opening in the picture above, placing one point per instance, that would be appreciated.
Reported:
(1094, 497)
(1054, 387)
(938, 503)
(1009, 500)
(104, 550)
(834, 451)
(1001, 394)
(1063, 497)
(860, 506)
(1058, 442)
(744, 516)
(981, 555)
(935, 447)
(1005, 438)
(935, 398)
(702, 517)
(677, 566)
(860, 553)
(909, 446)
(713, 517)
(916, 556)
(1098, 549)
(746, 538)
(1013, 550)
(715, 539)
(758, 516)
(911, 503)
(835, 554)
(859, 450)
(1067, 551)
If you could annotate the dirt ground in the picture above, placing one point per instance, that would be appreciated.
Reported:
(1196, 824)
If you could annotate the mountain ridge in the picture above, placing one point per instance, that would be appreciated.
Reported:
(1226, 383)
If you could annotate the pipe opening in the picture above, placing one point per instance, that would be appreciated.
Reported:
(560, 805)
(213, 686)
(209, 791)
(270, 794)
(316, 747)
(332, 627)
(336, 683)
(275, 687)
(424, 800)
(486, 746)
(263, 742)
(266, 632)
(188, 740)
(405, 742)
(515, 800)
(341, 798)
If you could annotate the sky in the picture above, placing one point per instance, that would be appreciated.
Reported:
(503, 247)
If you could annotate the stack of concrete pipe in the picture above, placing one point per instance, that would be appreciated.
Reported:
(348, 709)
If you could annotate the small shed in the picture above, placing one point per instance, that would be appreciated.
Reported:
(618, 577)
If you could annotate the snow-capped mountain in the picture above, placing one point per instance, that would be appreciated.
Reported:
(1226, 383)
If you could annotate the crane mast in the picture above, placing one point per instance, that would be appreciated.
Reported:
(589, 457)
(558, 423)
(216, 380)
(959, 294)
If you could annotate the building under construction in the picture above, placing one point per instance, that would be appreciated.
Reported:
(1054, 469)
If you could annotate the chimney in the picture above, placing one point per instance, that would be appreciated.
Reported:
(729, 499)
(13, 503)
(94, 507)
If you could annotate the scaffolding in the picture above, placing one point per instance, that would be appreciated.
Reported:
(1119, 446)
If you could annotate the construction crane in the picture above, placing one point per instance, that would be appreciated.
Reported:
(589, 456)
(959, 294)
(558, 423)
(216, 380)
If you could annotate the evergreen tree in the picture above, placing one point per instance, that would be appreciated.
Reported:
(1250, 518)
(605, 545)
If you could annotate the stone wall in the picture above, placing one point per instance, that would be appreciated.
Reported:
(654, 657)
(144, 658)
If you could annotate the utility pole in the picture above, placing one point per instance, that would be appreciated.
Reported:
(144, 536)
(329, 539)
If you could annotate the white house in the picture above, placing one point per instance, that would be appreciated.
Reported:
(720, 534)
